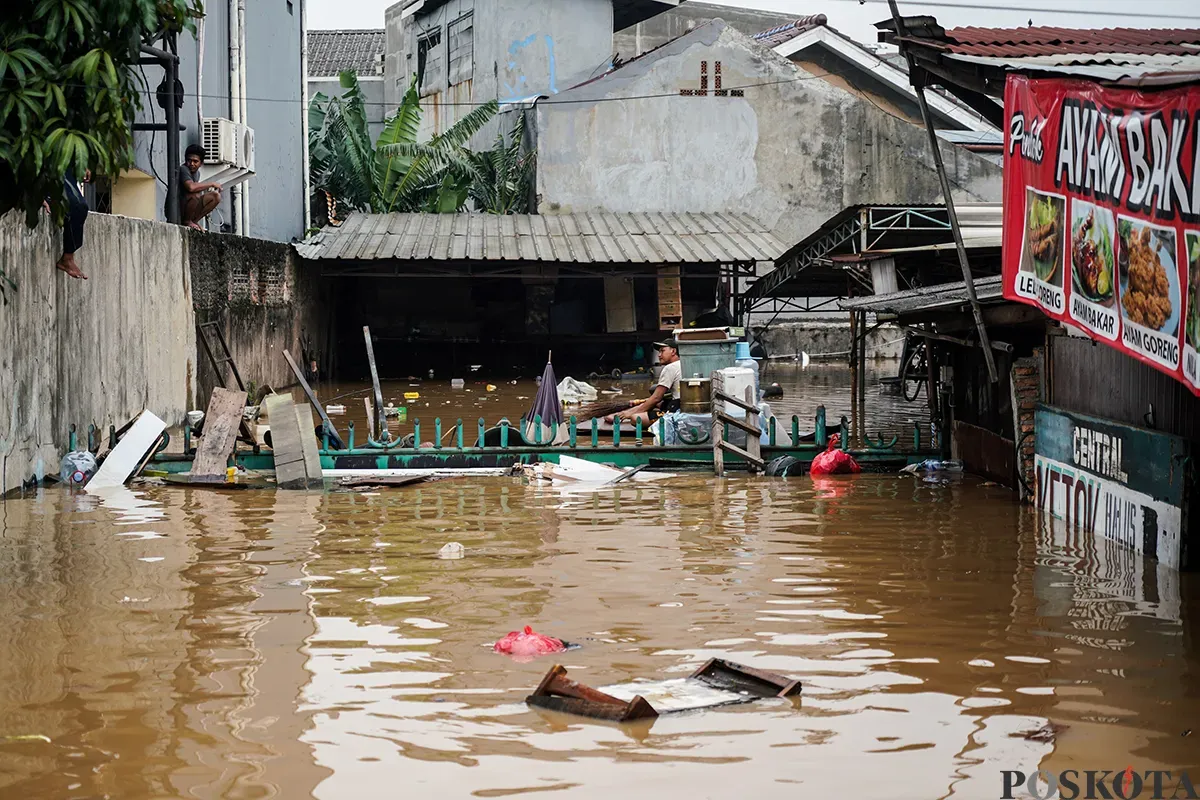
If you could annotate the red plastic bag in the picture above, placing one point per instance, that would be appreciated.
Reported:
(527, 644)
(834, 461)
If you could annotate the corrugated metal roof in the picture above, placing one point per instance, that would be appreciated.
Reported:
(579, 238)
(1110, 67)
(773, 37)
(1044, 41)
(928, 298)
(331, 51)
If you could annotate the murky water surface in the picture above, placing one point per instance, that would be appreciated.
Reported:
(803, 391)
(187, 643)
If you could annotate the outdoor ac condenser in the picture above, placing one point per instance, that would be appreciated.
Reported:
(229, 151)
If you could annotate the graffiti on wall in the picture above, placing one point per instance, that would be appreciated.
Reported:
(717, 91)
(529, 59)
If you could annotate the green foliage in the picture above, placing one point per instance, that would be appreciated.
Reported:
(399, 173)
(502, 178)
(69, 90)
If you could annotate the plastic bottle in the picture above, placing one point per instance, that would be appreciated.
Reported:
(742, 354)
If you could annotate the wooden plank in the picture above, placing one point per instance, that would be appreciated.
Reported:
(126, 456)
(739, 423)
(742, 404)
(377, 433)
(222, 421)
(312, 397)
(737, 451)
(286, 447)
(370, 415)
(753, 440)
(308, 447)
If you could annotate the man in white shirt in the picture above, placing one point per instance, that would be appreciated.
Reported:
(665, 397)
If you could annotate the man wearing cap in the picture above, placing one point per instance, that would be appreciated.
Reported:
(665, 397)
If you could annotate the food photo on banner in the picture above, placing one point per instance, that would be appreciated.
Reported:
(1102, 214)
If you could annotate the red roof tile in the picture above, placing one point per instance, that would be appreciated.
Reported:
(1043, 41)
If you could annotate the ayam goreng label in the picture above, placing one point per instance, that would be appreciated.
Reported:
(1102, 214)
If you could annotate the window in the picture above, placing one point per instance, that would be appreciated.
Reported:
(430, 63)
(461, 35)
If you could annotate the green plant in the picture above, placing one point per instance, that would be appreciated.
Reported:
(502, 178)
(399, 173)
(69, 91)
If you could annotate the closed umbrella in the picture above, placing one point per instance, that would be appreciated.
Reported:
(546, 405)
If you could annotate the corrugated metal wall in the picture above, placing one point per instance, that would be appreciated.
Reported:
(1095, 379)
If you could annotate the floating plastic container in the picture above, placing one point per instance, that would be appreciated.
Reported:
(335, 409)
(412, 395)
(703, 351)
(737, 381)
(744, 360)
(457, 383)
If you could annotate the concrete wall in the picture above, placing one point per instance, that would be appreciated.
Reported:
(523, 48)
(657, 31)
(266, 303)
(827, 341)
(372, 89)
(97, 351)
(794, 151)
(274, 110)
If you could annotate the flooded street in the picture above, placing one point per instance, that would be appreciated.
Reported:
(189, 643)
(804, 390)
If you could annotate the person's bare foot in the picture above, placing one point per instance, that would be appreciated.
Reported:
(195, 225)
(68, 265)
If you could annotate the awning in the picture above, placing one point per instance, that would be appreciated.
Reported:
(578, 238)
(928, 298)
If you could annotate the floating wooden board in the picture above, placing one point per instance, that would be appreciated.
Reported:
(291, 438)
(222, 421)
(127, 455)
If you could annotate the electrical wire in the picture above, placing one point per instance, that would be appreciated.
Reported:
(153, 121)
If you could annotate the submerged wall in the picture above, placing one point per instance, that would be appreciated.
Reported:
(265, 303)
(97, 351)
(101, 350)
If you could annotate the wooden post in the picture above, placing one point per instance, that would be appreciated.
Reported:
(370, 417)
(718, 428)
(753, 440)
(375, 432)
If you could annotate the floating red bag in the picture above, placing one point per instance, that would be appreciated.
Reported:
(834, 461)
(527, 644)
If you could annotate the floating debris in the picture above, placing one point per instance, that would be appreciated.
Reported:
(26, 737)
(1046, 733)
(412, 395)
(451, 550)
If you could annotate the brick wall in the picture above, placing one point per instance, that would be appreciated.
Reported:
(1026, 378)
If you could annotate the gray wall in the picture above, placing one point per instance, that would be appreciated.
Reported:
(522, 48)
(372, 89)
(659, 30)
(274, 110)
(97, 351)
(793, 152)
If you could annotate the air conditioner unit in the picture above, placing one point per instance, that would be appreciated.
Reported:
(228, 143)
(219, 139)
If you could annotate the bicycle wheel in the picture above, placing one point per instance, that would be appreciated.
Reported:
(914, 372)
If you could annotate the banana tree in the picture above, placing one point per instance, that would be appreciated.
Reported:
(397, 172)
(502, 178)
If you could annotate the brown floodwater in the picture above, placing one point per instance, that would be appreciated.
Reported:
(186, 643)
(826, 384)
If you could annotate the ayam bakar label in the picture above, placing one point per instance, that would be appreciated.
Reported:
(1102, 202)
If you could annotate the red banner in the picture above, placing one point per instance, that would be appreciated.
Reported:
(1102, 214)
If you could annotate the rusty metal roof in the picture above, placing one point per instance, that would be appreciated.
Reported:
(946, 295)
(1047, 41)
(1136, 56)
(579, 238)
(773, 37)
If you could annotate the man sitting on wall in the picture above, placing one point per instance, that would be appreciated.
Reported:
(665, 397)
(196, 200)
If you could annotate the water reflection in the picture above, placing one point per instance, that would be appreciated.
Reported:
(195, 643)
